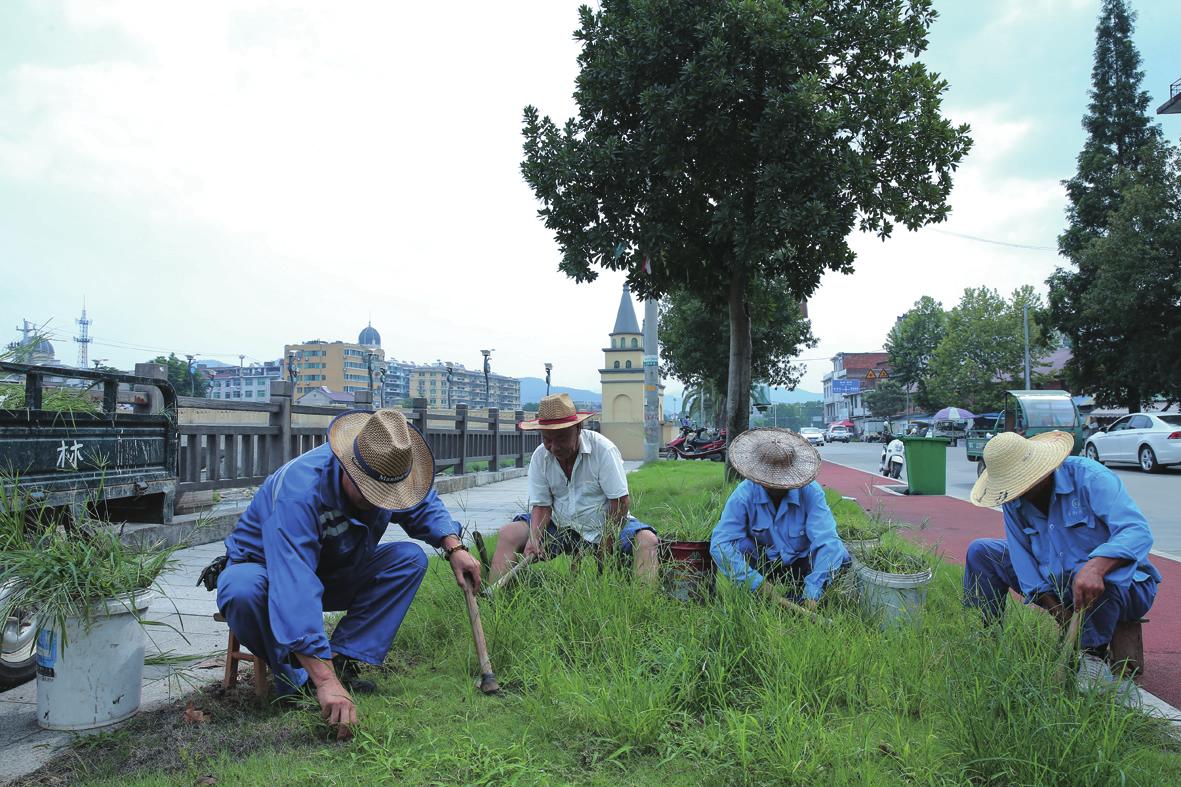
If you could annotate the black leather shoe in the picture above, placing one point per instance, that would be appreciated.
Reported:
(349, 674)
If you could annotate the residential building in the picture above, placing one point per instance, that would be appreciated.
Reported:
(852, 374)
(446, 384)
(322, 397)
(249, 383)
(337, 366)
(622, 378)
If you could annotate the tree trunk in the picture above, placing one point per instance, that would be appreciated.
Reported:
(1132, 403)
(738, 382)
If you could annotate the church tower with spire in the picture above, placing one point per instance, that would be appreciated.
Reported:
(623, 382)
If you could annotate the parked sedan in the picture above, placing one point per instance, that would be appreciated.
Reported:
(1149, 440)
(812, 435)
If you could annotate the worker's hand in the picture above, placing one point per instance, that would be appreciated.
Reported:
(1088, 585)
(466, 568)
(810, 604)
(533, 547)
(1050, 603)
(769, 592)
(337, 708)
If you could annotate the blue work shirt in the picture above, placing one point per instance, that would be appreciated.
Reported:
(301, 527)
(801, 526)
(1090, 515)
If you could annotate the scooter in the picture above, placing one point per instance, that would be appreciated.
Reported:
(891, 464)
(693, 445)
(17, 648)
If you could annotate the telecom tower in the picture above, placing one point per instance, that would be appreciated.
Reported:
(83, 339)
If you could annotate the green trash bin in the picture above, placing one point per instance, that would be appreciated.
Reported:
(926, 465)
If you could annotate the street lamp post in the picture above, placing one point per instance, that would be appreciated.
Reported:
(487, 370)
(191, 385)
(291, 367)
(549, 367)
(450, 371)
(381, 373)
(369, 371)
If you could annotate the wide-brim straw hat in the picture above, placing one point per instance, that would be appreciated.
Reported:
(776, 458)
(386, 457)
(556, 411)
(1014, 464)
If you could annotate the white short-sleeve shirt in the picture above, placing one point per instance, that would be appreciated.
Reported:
(581, 502)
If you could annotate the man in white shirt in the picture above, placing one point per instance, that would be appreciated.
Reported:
(578, 497)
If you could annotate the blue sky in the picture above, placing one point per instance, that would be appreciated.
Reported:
(222, 178)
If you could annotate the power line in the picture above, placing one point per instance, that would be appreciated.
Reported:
(1026, 246)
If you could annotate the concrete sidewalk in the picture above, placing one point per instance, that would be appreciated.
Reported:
(949, 524)
(189, 609)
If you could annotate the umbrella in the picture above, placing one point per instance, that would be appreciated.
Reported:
(842, 423)
(953, 414)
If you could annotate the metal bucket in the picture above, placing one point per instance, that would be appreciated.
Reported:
(893, 597)
(688, 570)
(95, 679)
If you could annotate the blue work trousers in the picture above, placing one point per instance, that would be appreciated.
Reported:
(374, 595)
(989, 576)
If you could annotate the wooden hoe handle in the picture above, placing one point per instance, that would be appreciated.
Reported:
(488, 683)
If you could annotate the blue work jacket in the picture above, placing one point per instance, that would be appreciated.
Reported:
(1090, 515)
(802, 526)
(301, 527)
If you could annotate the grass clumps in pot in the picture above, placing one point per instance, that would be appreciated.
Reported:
(894, 559)
(60, 571)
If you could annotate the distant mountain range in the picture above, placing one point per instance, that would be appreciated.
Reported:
(791, 397)
(533, 388)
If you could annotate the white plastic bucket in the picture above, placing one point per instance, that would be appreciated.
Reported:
(95, 679)
(858, 545)
(892, 596)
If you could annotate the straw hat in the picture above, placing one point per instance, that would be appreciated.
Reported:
(1014, 464)
(778, 458)
(555, 411)
(384, 456)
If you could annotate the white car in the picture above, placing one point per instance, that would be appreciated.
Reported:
(812, 435)
(1145, 439)
(838, 434)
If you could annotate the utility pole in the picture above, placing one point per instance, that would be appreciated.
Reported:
(1025, 318)
(651, 383)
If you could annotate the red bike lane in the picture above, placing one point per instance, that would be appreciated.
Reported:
(949, 524)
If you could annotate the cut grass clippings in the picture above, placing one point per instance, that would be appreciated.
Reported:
(609, 682)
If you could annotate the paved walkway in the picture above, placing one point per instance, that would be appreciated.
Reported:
(24, 746)
(949, 525)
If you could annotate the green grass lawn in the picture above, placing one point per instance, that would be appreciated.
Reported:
(606, 682)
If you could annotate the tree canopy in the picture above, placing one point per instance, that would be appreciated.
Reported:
(732, 142)
(695, 339)
(885, 399)
(983, 351)
(178, 374)
(1113, 346)
(911, 344)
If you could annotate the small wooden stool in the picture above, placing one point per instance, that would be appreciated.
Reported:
(234, 654)
(1127, 647)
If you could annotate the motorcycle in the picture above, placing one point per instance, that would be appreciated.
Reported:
(892, 459)
(699, 444)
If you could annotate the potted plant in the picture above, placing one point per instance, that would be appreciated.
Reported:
(687, 567)
(893, 582)
(87, 591)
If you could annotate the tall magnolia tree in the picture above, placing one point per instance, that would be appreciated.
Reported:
(731, 142)
(1118, 151)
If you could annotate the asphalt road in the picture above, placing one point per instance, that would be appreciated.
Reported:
(1156, 494)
